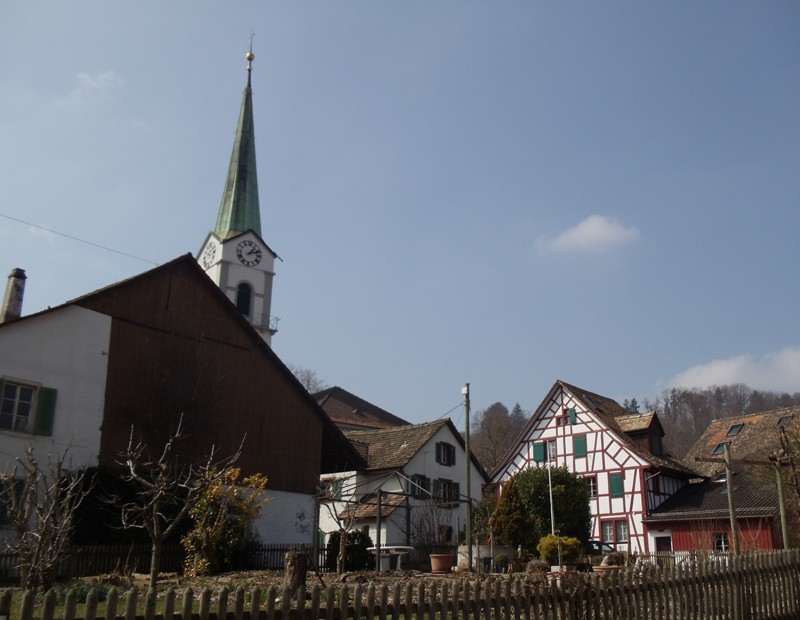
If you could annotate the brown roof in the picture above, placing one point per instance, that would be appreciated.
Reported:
(709, 500)
(392, 448)
(756, 440)
(616, 418)
(636, 422)
(367, 507)
(346, 408)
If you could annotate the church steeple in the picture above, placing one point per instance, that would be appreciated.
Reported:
(234, 255)
(239, 210)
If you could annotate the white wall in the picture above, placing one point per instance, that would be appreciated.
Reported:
(66, 349)
(287, 518)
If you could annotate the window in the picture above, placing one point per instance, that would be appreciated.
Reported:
(420, 486)
(26, 408)
(572, 413)
(591, 482)
(608, 531)
(333, 489)
(734, 430)
(579, 445)
(446, 490)
(615, 531)
(616, 485)
(785, 420)
(542, 448)
(721, 541)
(445, 453)
(551, 450)
(621, 527)
(244, 295)
(720, 449)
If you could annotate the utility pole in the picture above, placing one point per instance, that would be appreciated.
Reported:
(468, 528)
(731, 506)
(776, 462)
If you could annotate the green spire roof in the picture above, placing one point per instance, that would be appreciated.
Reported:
(239, 211)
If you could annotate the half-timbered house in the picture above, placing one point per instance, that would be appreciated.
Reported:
(619, 454)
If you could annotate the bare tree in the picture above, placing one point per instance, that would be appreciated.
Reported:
(493, 432)
(40, 509)
(166, 490)
(342, 512)
(309, 378)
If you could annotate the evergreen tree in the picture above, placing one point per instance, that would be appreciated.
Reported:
(512, 524)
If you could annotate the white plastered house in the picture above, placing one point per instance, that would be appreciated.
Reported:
(418, 472)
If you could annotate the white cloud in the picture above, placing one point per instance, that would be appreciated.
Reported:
(594, 234)
(775, 372)
(91, 87)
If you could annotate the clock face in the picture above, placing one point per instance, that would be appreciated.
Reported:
(248, 253)
(209, 254)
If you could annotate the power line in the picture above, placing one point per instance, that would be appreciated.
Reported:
(92, 243)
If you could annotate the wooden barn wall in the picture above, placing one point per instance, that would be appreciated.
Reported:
(176, 350)
(699, 535)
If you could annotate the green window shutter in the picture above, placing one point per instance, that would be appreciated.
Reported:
(452, 450)
(45, 411)
(538, 452)
(573, 415)
(616, 485)
(579, 445)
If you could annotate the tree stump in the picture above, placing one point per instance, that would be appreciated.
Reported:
(296, 563)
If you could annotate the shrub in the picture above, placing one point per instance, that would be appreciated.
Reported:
(537, 566)
(615, 558)
(548, 548)
(356, 555)
(81, 591)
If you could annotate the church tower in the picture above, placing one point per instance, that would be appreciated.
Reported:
(234, 255)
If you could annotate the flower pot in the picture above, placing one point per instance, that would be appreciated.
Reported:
(605, 568)
(441, 562)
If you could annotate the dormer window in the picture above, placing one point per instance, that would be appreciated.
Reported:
(734, 430)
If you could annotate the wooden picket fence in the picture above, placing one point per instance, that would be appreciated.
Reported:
(762, 586)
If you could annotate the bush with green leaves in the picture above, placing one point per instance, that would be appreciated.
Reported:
(548, 548)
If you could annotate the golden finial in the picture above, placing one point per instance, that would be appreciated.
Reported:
(250, 55)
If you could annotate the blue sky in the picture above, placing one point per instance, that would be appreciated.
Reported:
(500, 193)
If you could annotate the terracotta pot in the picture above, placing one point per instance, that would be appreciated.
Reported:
(441, 562)
(603, 568)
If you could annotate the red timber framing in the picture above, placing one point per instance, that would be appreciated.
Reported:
(584, 431)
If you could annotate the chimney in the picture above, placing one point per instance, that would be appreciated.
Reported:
(12, 302)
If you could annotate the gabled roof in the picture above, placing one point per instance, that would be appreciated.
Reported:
(346, 408)
(709, 500)
(758, 438)
(614, 416)
(393, 448)
(367, 507)
(338, 454)
(639, 422)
